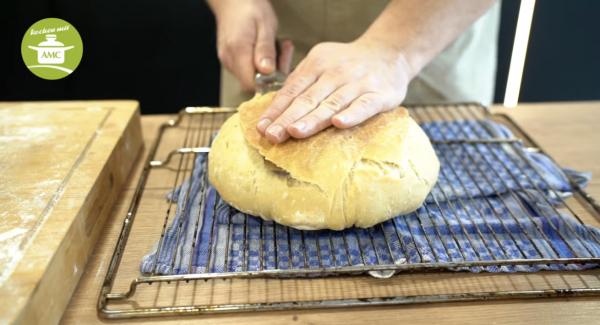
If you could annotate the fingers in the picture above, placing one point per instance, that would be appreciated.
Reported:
(361, 109)
(243, 68)
(286, 54)
(320, 118)
(237, 58)
(294, 86)
(305, 103)
(264, 50)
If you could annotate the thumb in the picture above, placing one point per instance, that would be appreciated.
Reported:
(264, 50)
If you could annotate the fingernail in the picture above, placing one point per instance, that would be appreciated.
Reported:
(266, 63)
(276, 131)
(263, 124)
(341, 119)
(300, 126)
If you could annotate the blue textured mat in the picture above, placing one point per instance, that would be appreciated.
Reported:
(492, 201)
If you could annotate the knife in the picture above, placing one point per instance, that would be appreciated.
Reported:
(269, 82)
(265, 83)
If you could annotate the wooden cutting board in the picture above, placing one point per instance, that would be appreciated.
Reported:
(62, 165)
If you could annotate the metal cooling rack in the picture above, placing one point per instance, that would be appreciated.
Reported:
(195, 126)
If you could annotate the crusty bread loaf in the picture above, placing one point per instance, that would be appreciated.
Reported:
(333, 180)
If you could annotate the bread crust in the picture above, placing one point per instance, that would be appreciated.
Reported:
(333, 180)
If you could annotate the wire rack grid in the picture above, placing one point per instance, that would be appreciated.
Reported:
(487, 169)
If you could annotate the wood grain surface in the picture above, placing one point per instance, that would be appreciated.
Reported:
(62, 167)
(567, 131)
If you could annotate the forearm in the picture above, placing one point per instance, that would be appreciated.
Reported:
(219, 7)
(420, 29)
(215, 5)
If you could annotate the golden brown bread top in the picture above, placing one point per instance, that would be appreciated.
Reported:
(327, 158)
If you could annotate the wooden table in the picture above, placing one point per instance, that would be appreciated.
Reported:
(62, 167)
(570, 132)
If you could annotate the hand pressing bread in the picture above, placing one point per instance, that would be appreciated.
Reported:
(340, 84)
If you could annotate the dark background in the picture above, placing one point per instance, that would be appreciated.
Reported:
(163, 52)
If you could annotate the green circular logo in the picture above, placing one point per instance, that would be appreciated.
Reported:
(51, 48)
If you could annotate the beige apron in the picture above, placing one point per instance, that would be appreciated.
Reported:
(465, 71)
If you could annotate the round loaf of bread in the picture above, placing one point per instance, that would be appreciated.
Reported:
(336, 179)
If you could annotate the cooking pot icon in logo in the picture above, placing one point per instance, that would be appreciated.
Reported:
(50, 51)
(51, 48)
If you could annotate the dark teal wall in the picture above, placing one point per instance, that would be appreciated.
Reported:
(563, 59)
